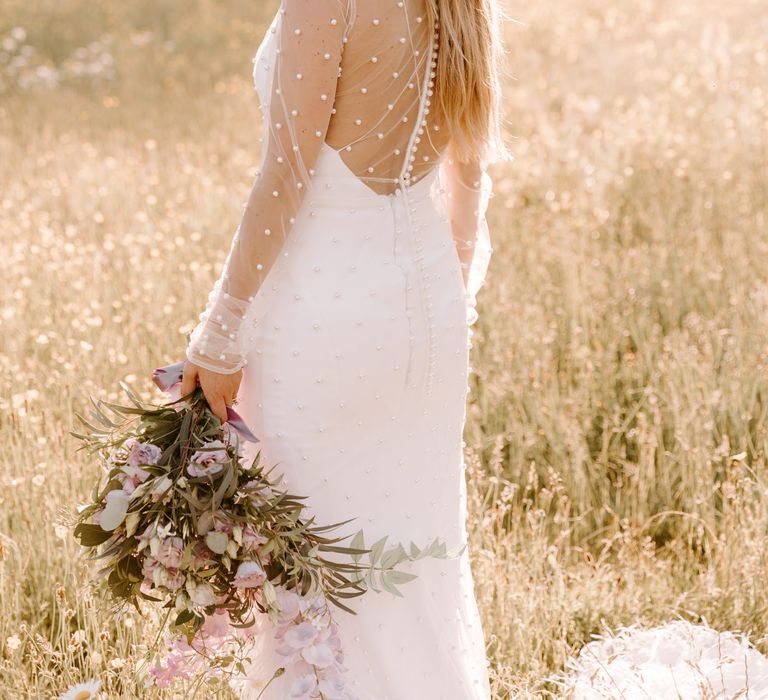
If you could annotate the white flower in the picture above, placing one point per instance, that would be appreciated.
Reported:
(115, 509)
(200, 593)
(13, 642)
(82, 691)
(249, 575)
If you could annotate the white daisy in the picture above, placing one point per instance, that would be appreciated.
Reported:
(82, 691)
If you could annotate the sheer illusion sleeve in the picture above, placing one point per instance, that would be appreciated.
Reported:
(468, 189)
(296, 109)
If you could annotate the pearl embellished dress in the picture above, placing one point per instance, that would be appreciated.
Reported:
(347, 298)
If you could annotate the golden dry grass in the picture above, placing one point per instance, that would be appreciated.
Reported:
(617, 430)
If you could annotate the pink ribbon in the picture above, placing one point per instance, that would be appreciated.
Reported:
(170, 376)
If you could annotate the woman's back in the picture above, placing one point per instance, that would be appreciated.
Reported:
(383, 113)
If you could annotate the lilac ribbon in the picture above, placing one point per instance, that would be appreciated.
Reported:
(170, 376)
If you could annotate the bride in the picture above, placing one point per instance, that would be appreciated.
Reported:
(340, 322)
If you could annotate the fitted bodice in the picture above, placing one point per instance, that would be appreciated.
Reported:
(383, 124)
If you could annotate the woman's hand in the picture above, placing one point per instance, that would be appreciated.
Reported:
(220, 389)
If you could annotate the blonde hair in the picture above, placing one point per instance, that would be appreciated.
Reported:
(467, 86)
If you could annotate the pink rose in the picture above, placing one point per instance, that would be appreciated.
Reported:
(201, 556)
(148, 569)
(142, 453)
(252, 539)
(249, 575)
(170, 552)
(172, 579)
(209, 460)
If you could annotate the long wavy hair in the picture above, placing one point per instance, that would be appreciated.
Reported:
(467, 85)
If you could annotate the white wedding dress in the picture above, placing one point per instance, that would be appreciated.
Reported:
(346, 298)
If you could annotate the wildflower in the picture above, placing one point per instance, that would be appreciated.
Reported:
(13, 642)
(298, 637)
(318, 654)
(82, 691)
(303, 687)
(331, 684)
(289, 603)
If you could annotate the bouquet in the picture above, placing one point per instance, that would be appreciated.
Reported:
(179, 520)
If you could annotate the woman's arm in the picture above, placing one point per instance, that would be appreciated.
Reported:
(468, 190)
(309, 36)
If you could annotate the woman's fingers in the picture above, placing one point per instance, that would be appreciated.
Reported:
(219, 407)
(189, 378)
(220, 390)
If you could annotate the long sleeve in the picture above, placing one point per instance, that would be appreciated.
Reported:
(467, 189)
(303, 66)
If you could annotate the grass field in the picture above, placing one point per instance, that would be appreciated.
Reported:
(616, 438)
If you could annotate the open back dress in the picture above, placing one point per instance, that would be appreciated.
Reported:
(345, 301)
